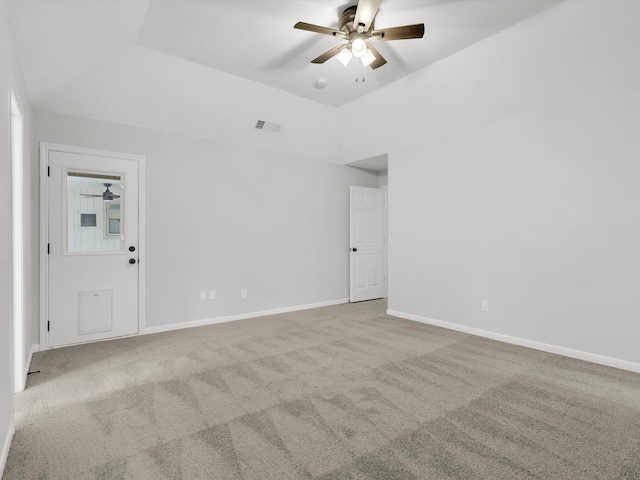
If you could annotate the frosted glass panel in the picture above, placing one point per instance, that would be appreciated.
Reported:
(94, 203)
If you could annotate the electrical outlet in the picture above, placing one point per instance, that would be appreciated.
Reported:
(203, 294)
(243, 295)
(212, 295)
(485, 305)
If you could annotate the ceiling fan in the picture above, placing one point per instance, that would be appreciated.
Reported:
(356, 26)
(107, 195)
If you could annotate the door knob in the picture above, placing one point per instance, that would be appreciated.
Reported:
(132, 261)
(354, 249)
(132, 249)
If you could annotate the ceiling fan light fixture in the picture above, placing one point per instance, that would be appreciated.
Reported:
(358, 48)
(344, 57)
(108, 195)
(356, 26)
(368, 58)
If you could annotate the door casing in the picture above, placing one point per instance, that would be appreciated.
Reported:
(45, 149)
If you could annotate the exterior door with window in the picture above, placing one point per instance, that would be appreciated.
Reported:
(93, 247)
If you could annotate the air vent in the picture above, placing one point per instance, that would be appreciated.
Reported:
(268, 127)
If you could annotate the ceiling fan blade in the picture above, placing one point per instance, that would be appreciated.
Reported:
(365, 13)
(379, 61)
(399, 33)
(89, 195)
(330, 54)
(318, 29)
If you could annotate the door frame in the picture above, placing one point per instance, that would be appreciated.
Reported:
(385, 189)
(17, 222)
(45, 149)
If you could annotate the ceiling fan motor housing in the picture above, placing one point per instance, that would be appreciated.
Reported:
(346, 22)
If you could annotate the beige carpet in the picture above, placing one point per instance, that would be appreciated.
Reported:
(342, 392)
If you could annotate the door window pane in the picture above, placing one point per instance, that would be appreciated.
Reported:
(88, 220)
(94, 212)
(113, 219)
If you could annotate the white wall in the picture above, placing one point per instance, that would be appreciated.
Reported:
(570, 52)
(516, 181)
(217, 106)
(226, 218)
(11, 77)
(536, 214)
(383, 178)
(6, 384)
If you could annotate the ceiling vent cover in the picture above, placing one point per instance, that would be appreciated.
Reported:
(268, 127)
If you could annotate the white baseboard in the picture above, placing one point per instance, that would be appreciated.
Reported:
(242, 316)
(545, 347)
(4, 454)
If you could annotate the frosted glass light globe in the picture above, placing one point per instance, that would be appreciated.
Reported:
(358, 48)
(344, 57)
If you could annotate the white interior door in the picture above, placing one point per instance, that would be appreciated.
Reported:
(93, 248)
(367, 263)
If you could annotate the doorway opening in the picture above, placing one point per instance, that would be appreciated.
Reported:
(17, 224)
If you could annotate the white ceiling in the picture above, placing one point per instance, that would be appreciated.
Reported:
(63, 44)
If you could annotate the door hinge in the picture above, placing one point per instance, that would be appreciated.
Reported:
(48, 325)
(48, 248)
(48, 171)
